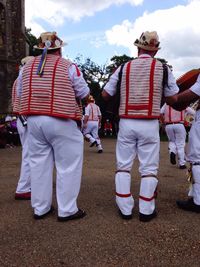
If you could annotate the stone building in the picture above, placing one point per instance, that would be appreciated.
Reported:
(12, 47)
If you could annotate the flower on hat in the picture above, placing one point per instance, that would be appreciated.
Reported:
(148, 41)
(49, 40)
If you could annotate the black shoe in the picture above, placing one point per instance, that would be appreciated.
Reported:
(78, 215)
(23, 196)
(100, 151)
(125, 217)
(182, 167)
(188, 205)
(147, 218)
(38, 217)
(94, 143)
(173, 158)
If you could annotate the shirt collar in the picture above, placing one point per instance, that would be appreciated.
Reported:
(144, 55)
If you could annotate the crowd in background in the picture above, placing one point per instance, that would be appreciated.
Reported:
(9, 136)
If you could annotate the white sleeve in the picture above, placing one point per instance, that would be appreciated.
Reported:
(111, 85)
(99, 111)
(19, 84)
(190, 111)
(171, 88)
(87, 110)
(196, 87)
(162, 110)
(78, 83)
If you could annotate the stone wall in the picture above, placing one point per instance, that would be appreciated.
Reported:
(12, 47)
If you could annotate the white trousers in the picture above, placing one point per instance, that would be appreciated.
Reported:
(58, 142)
(193, 156)
(91, 133)
(137, 138)
(176, 134)
(24, 182)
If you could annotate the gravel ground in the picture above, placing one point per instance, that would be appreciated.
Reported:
(102, 238)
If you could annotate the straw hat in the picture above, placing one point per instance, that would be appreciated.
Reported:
(148, 41)
(26, 59)
(49, 40)
(91, 99)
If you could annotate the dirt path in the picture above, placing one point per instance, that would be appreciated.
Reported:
(102, 238)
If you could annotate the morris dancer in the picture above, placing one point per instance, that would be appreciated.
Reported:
(176, 133)
(108, 128)
(92, 123)
(193, 155)
(51, 86)
(142, 83)
(23, 190)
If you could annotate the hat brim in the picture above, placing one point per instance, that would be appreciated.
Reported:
(148, 48)
(50, 48)
(26, 59)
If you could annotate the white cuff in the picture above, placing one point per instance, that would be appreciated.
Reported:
(196, 87)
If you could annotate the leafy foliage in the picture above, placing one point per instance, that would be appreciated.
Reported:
(92, 72)
(116, 61)
(32, 40)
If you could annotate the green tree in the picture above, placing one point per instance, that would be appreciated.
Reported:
(92, 72)
(32, 40)
(164, 61)
(116, 61)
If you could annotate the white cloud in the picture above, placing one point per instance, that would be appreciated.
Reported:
(98, 42)
(96, 39)
(37, 29)
(178, 29)
(56, 11)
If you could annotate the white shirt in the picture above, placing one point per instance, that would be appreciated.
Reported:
(170, 88)
(19, 83)
(79, 84)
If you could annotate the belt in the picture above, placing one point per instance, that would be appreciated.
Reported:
(173, 123)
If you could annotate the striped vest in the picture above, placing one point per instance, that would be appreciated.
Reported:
(141, 89)
(52, 93)
(174, 116)
(94, 112)
(15, 99)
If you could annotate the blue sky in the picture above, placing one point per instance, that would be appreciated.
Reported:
(102, 29)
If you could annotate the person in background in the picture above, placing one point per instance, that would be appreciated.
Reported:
(108, 128)
(12, 136)
(176, 133)
(23, 190)
(143, 81)
(92, 124)
(3, 134)
(182, 100)
(50, 95)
